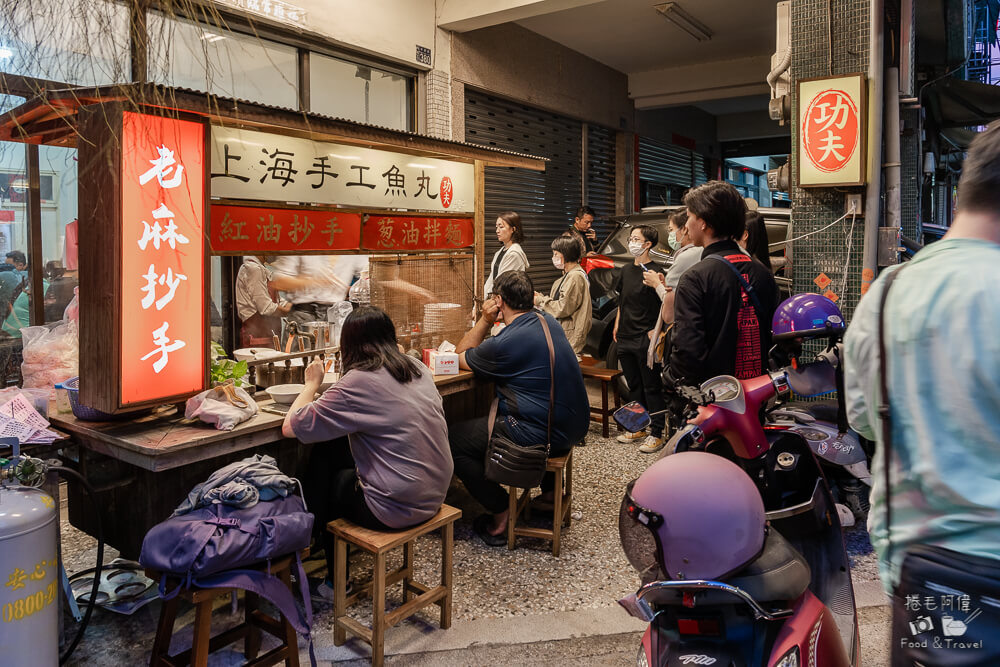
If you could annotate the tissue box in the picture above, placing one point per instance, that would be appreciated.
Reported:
(441, 363)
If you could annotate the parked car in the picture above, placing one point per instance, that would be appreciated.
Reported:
(604, 267)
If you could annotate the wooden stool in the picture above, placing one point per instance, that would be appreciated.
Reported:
(607, 377)
(204, 643)
(379, 544)
(562, 466)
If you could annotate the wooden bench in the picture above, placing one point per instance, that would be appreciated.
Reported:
(607, 376)
(562, 467)
(379, 543)
(249, 630)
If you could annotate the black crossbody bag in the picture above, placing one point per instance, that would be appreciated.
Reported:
(946, 607)
(509, 463)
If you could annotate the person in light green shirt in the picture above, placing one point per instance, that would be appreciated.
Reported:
(943, 357)
(20, 313)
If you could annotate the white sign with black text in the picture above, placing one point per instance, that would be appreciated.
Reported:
(261, 166)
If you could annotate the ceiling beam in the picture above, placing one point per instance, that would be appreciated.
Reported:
(466, 15)
(699, 83)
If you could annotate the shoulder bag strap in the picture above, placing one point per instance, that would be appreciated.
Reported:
(744, 283)
(552, 387)
(552, 376)
(883, 406)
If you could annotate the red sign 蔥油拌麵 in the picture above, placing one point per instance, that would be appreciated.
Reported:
(831, 131)
(163, 260)
(385, 232)
(247, 230)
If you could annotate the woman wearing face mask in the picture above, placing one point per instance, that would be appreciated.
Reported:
(510, 257)
(638, 311)
(569, 300)
(686, 255)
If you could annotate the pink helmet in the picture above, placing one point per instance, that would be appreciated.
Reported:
(692, 515)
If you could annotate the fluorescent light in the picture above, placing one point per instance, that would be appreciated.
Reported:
(417, 165)
(5, 53)
(211, 37)
(672, 12)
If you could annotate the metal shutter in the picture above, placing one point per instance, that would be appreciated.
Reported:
(665, 163)
(545, 200)
(601, 167)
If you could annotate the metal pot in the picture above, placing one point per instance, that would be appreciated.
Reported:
(321, 332)
(268, 375)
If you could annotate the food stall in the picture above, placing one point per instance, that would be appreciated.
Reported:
(170, 179)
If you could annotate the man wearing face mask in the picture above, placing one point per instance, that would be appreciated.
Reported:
(638, 310)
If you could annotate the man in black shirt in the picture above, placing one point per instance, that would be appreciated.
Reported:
(638, 308)
(582, 230)
(715, 332)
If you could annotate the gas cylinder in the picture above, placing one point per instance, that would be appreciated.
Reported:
(29, 577)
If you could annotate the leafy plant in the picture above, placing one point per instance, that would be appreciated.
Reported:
(224, 368)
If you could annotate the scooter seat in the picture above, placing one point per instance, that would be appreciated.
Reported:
(780, 573)
(821, 410)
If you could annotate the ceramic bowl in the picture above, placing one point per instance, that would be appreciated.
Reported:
(285, 393)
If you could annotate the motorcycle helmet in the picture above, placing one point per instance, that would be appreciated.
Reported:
(807, 316)
(691, 515)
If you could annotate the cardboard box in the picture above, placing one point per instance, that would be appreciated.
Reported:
(441, 363)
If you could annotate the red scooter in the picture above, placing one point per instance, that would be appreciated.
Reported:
(793, 603)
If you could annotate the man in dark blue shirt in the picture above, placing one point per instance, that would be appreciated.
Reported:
(517, 361)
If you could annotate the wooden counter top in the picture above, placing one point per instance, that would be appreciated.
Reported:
(164, 439)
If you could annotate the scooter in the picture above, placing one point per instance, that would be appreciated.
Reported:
(843, 454)
(773, 612)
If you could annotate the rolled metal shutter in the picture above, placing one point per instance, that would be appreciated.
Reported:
(665, 163)
(545, 200)
(601, 168)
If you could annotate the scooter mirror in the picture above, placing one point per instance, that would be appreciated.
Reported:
(812, 379)
(632, 417)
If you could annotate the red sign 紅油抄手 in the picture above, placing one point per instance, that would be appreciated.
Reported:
(163, 260)
(248, 230)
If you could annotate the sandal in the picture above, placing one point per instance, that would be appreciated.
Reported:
(481, 525)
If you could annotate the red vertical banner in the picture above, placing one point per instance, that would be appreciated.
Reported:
(163, 250)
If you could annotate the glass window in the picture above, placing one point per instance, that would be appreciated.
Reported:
(185, 54)
(60, 229)
(81, 42)
(358, 92)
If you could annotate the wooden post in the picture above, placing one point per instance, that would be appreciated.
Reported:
(480, 225)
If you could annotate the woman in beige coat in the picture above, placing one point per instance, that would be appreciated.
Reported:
(569, 301)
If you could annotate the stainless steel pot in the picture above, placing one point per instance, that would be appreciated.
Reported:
(268, 375)
(321, 332)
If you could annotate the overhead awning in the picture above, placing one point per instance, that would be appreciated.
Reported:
(958, 103)
(51, 118)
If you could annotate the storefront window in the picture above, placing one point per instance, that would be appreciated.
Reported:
(80, 42)
(358, 92)
(185, 54)
(60, 229)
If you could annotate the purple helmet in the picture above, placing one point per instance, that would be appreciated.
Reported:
(807, 316)
(691, 515)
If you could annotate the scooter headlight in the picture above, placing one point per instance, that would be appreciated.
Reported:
(790, 659)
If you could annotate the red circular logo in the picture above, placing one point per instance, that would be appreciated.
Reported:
(830, 130)
(447, 192)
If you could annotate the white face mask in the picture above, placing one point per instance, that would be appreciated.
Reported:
(636, 247)
(557, 261)
(673, 240)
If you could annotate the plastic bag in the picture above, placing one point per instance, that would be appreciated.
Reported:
(72, 311)
(224, 407)
(50, 356)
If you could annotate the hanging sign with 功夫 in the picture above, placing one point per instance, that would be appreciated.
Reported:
(262, 166)
(832, 131)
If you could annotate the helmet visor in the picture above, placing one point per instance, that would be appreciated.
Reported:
(639, 539)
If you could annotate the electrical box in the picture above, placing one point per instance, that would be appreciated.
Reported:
(889, 243)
